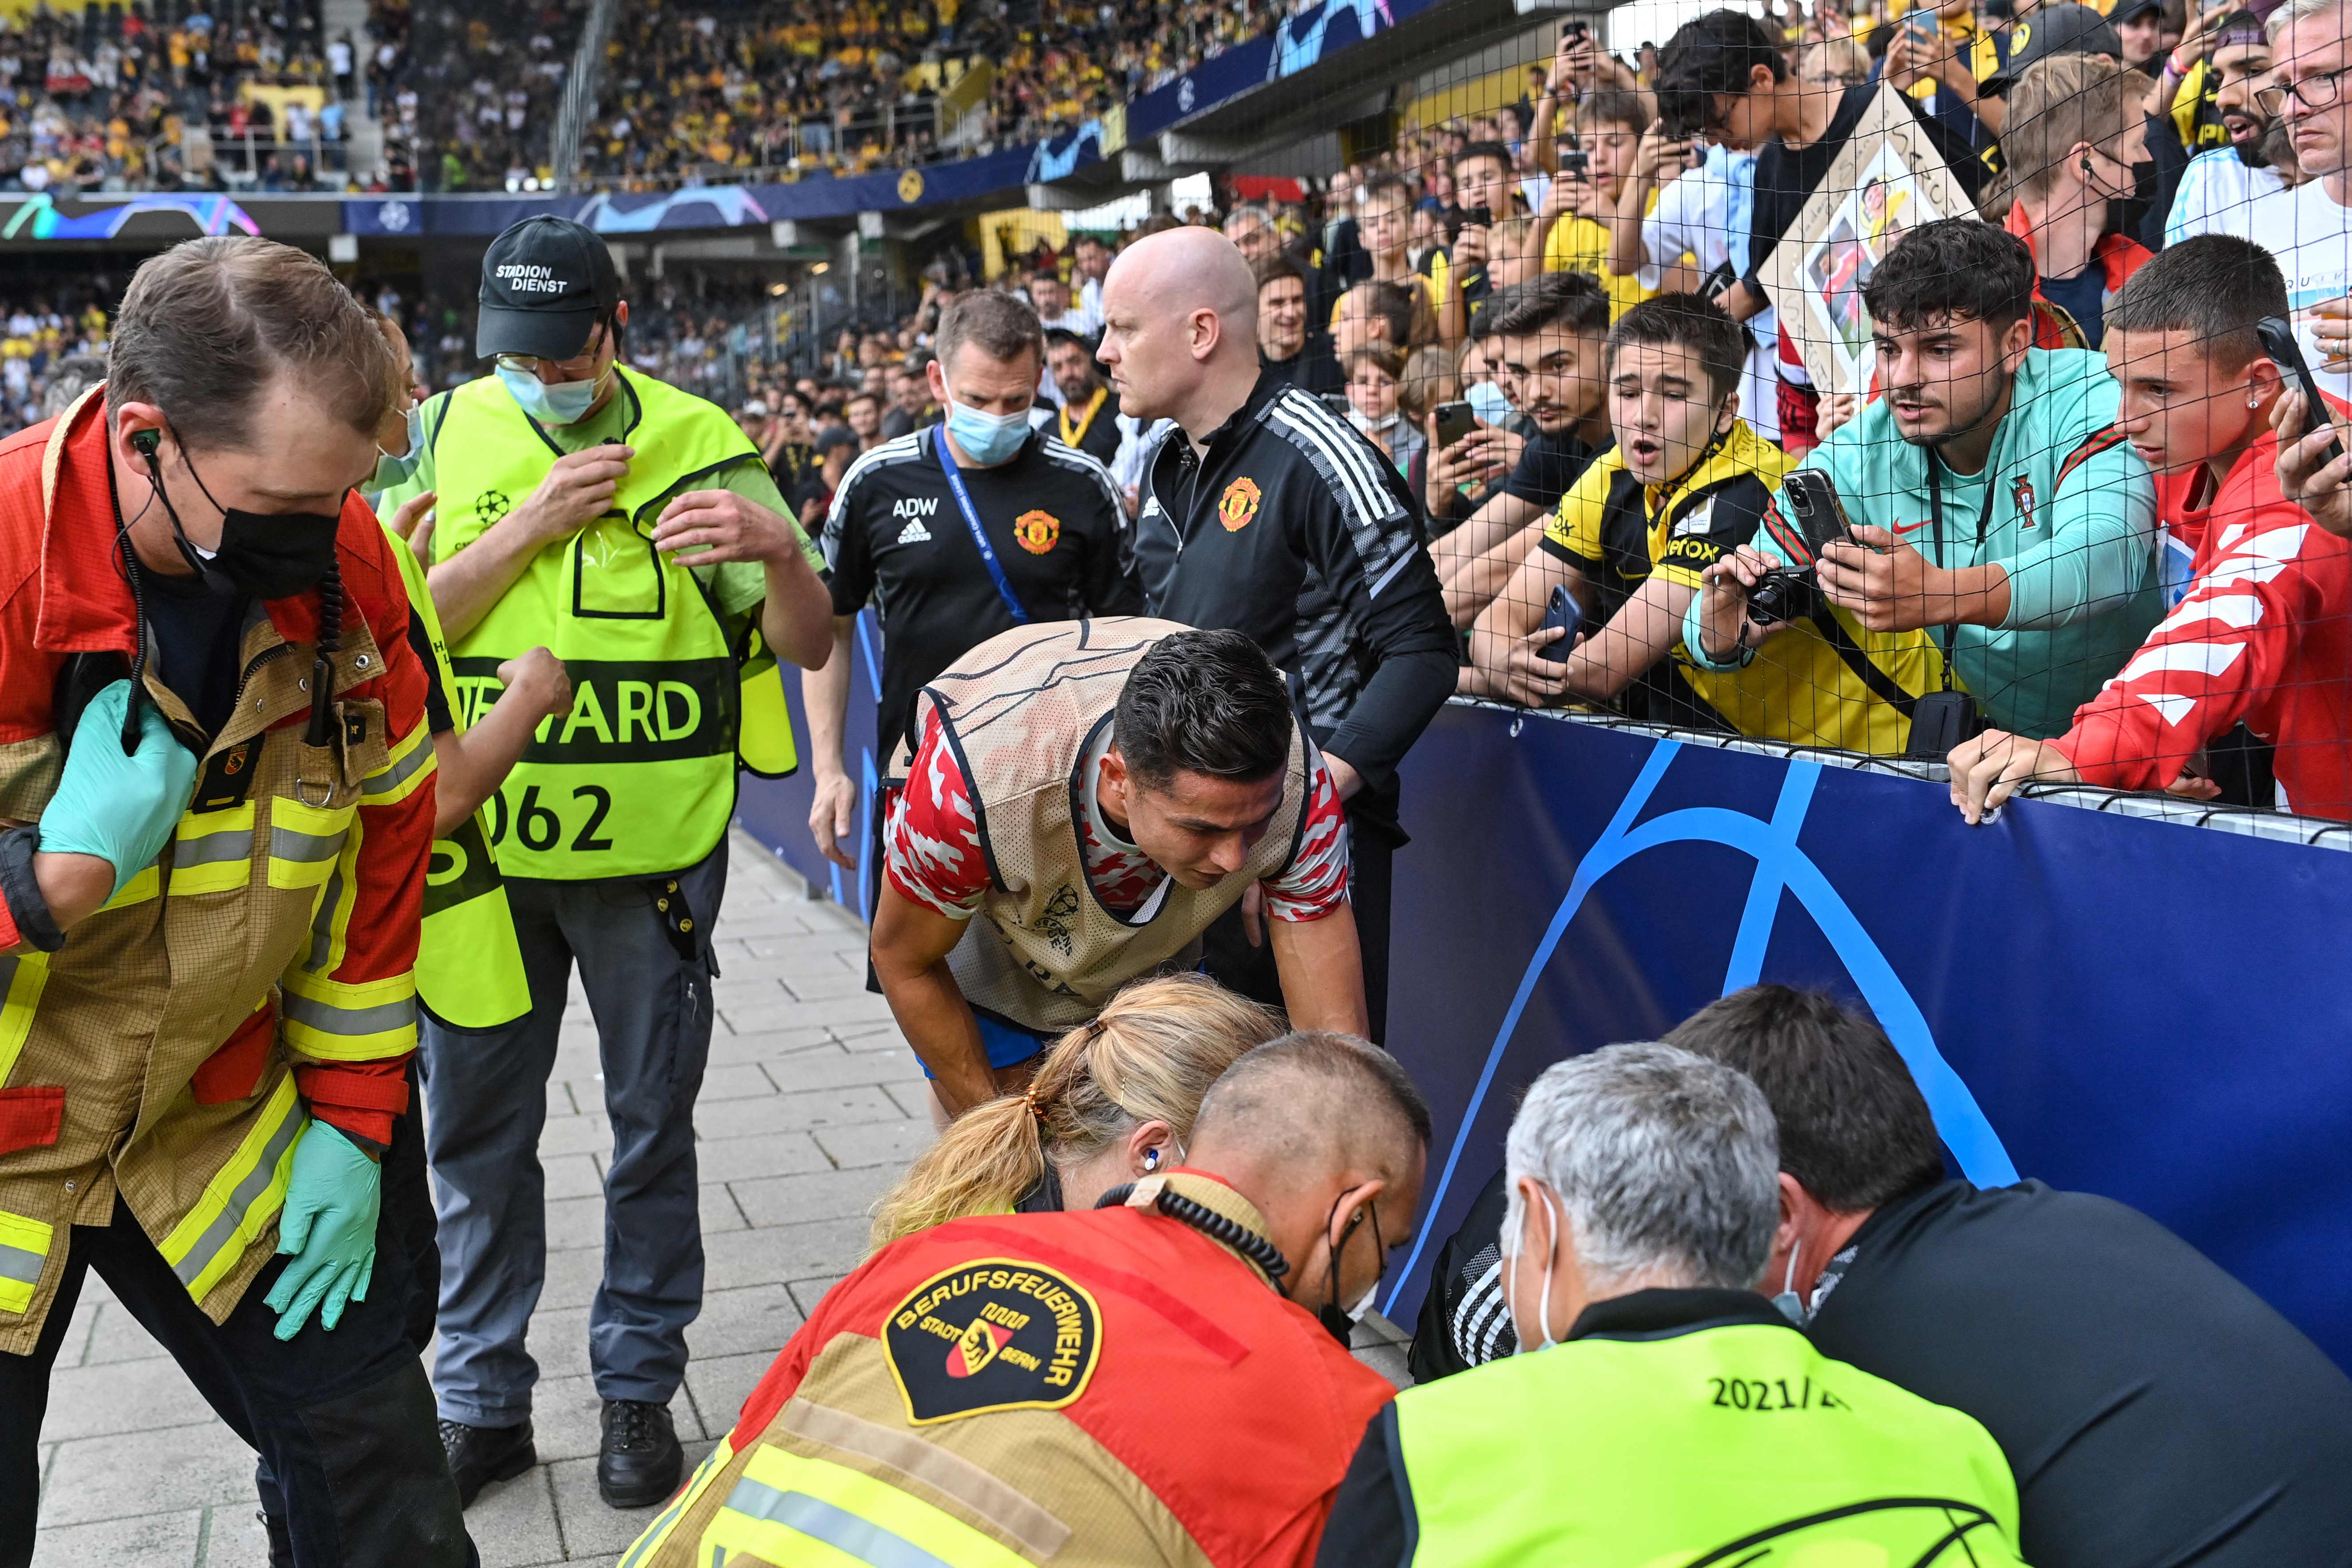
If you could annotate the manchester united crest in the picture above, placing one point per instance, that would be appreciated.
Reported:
(993, 1334)
(1037, 531)
(1238, 504)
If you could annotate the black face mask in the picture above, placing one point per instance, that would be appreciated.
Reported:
(1331, 1315)
(262, 555)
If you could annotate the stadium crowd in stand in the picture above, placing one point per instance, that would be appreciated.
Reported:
(790, 89)
(46, 342)
(2085, 542)
(114, 98)
(1390, 293)
(784, 88)
(468, 95)
(1481, 275)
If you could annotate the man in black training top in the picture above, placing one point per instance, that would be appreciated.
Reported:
(909, 525)
(1267, 513)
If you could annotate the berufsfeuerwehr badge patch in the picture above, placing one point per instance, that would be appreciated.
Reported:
(995, 1333)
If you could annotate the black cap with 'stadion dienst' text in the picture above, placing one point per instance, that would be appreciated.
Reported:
(545, 283)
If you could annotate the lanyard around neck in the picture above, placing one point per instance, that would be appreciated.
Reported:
(1943, 634)
(1072, 438)
(979, 535)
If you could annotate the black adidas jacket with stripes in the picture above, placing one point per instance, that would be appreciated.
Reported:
(1296, 530)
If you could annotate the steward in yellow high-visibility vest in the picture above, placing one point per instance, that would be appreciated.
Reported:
(468, 966)
(1660, 1410)
(632, 528)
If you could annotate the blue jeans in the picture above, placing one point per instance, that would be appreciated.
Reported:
(486, 1103)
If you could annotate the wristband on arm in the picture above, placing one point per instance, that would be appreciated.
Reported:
(22, 890)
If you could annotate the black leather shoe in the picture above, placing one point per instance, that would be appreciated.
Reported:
(641, 1462)
(481, 1455)
(281, 1540)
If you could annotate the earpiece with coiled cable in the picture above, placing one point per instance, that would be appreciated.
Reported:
(1232, 1232)
(322, 729)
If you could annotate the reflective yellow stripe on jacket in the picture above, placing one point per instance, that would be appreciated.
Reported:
(783, 1504)
(24, 1252)
(336, 1020)
(304, 841)
(213, 850)
(22, 976)
(243, 1195)
(666, 1521)
(410, 763)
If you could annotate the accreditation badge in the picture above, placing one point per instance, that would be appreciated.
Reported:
(996, 1333)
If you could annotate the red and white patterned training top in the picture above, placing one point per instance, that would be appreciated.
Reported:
(932, 852)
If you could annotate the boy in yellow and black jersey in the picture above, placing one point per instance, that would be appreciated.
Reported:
(1688, 484)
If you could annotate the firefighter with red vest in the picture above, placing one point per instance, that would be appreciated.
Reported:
(1144, 1382)
(217, 803)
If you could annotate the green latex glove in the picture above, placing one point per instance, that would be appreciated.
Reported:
(120, 808)
(329, 1224)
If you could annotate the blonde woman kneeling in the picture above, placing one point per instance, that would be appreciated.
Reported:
(1114, 1100)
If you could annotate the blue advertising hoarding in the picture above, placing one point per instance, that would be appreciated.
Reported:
(1306, 37)
(701, 206)
(2131, 1007)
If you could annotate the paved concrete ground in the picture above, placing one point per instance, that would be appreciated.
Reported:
(811, 1106)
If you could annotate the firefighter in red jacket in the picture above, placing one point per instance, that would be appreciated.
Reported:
(2263, 634)
(216, 812)
(1143, 1383)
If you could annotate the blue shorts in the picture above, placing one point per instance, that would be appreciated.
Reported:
(1005, 1043)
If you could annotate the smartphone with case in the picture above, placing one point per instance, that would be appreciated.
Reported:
(1454, 422)
(1792, 592)
(2277, 335)
(1809, 501)
(1566, 613)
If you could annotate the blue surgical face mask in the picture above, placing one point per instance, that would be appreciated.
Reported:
(391, 471)
(1489, 402)
(1791, 1305)
(986, 439)
(565, 403)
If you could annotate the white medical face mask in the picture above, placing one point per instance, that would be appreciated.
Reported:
(1511, 1284)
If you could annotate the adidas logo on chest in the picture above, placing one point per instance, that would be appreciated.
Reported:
(913, 510)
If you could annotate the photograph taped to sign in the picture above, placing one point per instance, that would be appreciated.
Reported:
(995, 1333)
(1887, 181)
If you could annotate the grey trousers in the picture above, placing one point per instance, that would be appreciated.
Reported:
(485, 1102)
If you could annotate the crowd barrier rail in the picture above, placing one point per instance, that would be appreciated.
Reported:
(2110, 994)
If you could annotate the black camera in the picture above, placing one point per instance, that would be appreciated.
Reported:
(1792, 592)
(1784, 593)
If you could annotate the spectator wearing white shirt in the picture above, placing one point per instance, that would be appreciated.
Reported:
(1051, 296)
(1090, 264)
(2219, 188)
(2309, 229)
(1702, 213)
